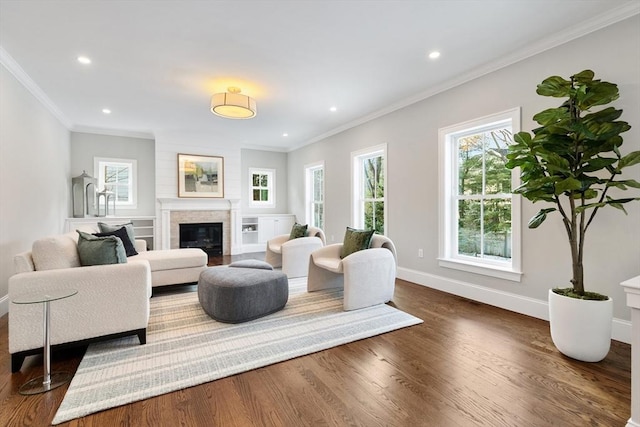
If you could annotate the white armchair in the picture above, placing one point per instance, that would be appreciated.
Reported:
(293, 255)
(367, 276)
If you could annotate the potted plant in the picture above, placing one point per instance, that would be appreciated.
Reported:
(573, 161)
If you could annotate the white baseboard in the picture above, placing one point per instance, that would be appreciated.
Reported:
(4, 305)
(254, 247)
(621, 329)
(632, 423)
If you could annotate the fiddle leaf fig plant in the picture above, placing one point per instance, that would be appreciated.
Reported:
(573, 161)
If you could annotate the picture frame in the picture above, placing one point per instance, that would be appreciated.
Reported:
(200, 176)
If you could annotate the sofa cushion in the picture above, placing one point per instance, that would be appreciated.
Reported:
(121, 233)
(355, 240)
(94, 250)
(298, 230)
(54, 252)
(170, 259)
(106, 228)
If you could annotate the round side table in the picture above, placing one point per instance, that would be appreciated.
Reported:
(49, 380)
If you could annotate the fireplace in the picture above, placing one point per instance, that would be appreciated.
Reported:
(205, 235)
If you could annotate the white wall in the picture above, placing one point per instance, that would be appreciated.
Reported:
(169, 145)
(35, 179)
(86, 146)
(613, 243)
(267, 160)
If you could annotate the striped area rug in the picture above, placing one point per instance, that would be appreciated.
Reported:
(185, 347)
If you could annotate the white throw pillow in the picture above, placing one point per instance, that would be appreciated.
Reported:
(54, 252)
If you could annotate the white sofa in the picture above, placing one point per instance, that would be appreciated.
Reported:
(293, 254)
(112, 300)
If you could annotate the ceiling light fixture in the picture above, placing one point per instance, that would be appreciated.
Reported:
(233, 105)
(333, 109)
(84, 60)
(435, 54)
(285, 134)
(106, 111)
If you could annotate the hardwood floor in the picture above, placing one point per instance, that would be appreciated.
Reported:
(468, 364)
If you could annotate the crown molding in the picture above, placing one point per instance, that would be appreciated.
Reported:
(14, 68)
(606, 19)
(113, 132)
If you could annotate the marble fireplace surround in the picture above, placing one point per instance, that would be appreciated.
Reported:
(188, 211)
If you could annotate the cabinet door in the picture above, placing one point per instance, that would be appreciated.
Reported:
(284, 225)
(266, 229)
(269, 227)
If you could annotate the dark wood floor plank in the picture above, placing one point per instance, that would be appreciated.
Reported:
(468, 364)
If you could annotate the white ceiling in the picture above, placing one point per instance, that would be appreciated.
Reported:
(157, 63)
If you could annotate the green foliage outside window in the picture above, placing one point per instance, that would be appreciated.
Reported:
(373, 175)
(484, 200)
(260, 187)
(318, 202)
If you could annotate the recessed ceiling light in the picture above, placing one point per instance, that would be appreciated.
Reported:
(285, 134)
(84, 60)
(333, 109)
(435, 54)
(106, 111)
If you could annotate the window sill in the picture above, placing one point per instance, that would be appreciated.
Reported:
(484, 269)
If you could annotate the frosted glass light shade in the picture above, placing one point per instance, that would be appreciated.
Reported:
(233, 105)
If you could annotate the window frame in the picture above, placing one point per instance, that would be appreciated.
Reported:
(271, 188)
(310, 201)
(357, 189)
(132, 194)
(448, 214)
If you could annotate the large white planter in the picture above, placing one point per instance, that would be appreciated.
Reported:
(580, 329)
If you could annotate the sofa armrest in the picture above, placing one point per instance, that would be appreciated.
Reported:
(111, 299)
(140, 245)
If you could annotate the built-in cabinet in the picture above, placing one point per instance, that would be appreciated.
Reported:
(258, 229)
(143, 226)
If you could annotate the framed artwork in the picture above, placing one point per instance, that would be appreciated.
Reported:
(200, 176)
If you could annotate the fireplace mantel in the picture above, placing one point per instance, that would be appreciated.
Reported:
(167, 205)
(189, 204)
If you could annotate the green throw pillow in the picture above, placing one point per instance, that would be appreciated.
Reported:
(108, 228)
(95, 250)
(355, 240)
(298, 230)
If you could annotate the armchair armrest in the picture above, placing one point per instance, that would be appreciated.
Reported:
(300, 242)
(329, 251)
(276, 242)
(296, 254)
(369, 277)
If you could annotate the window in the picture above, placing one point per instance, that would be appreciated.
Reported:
(480, 217)
(315, 194)
(368, 190)
(118, 176)
(262, 187)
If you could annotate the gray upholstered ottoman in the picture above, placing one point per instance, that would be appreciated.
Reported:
(239, 294)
